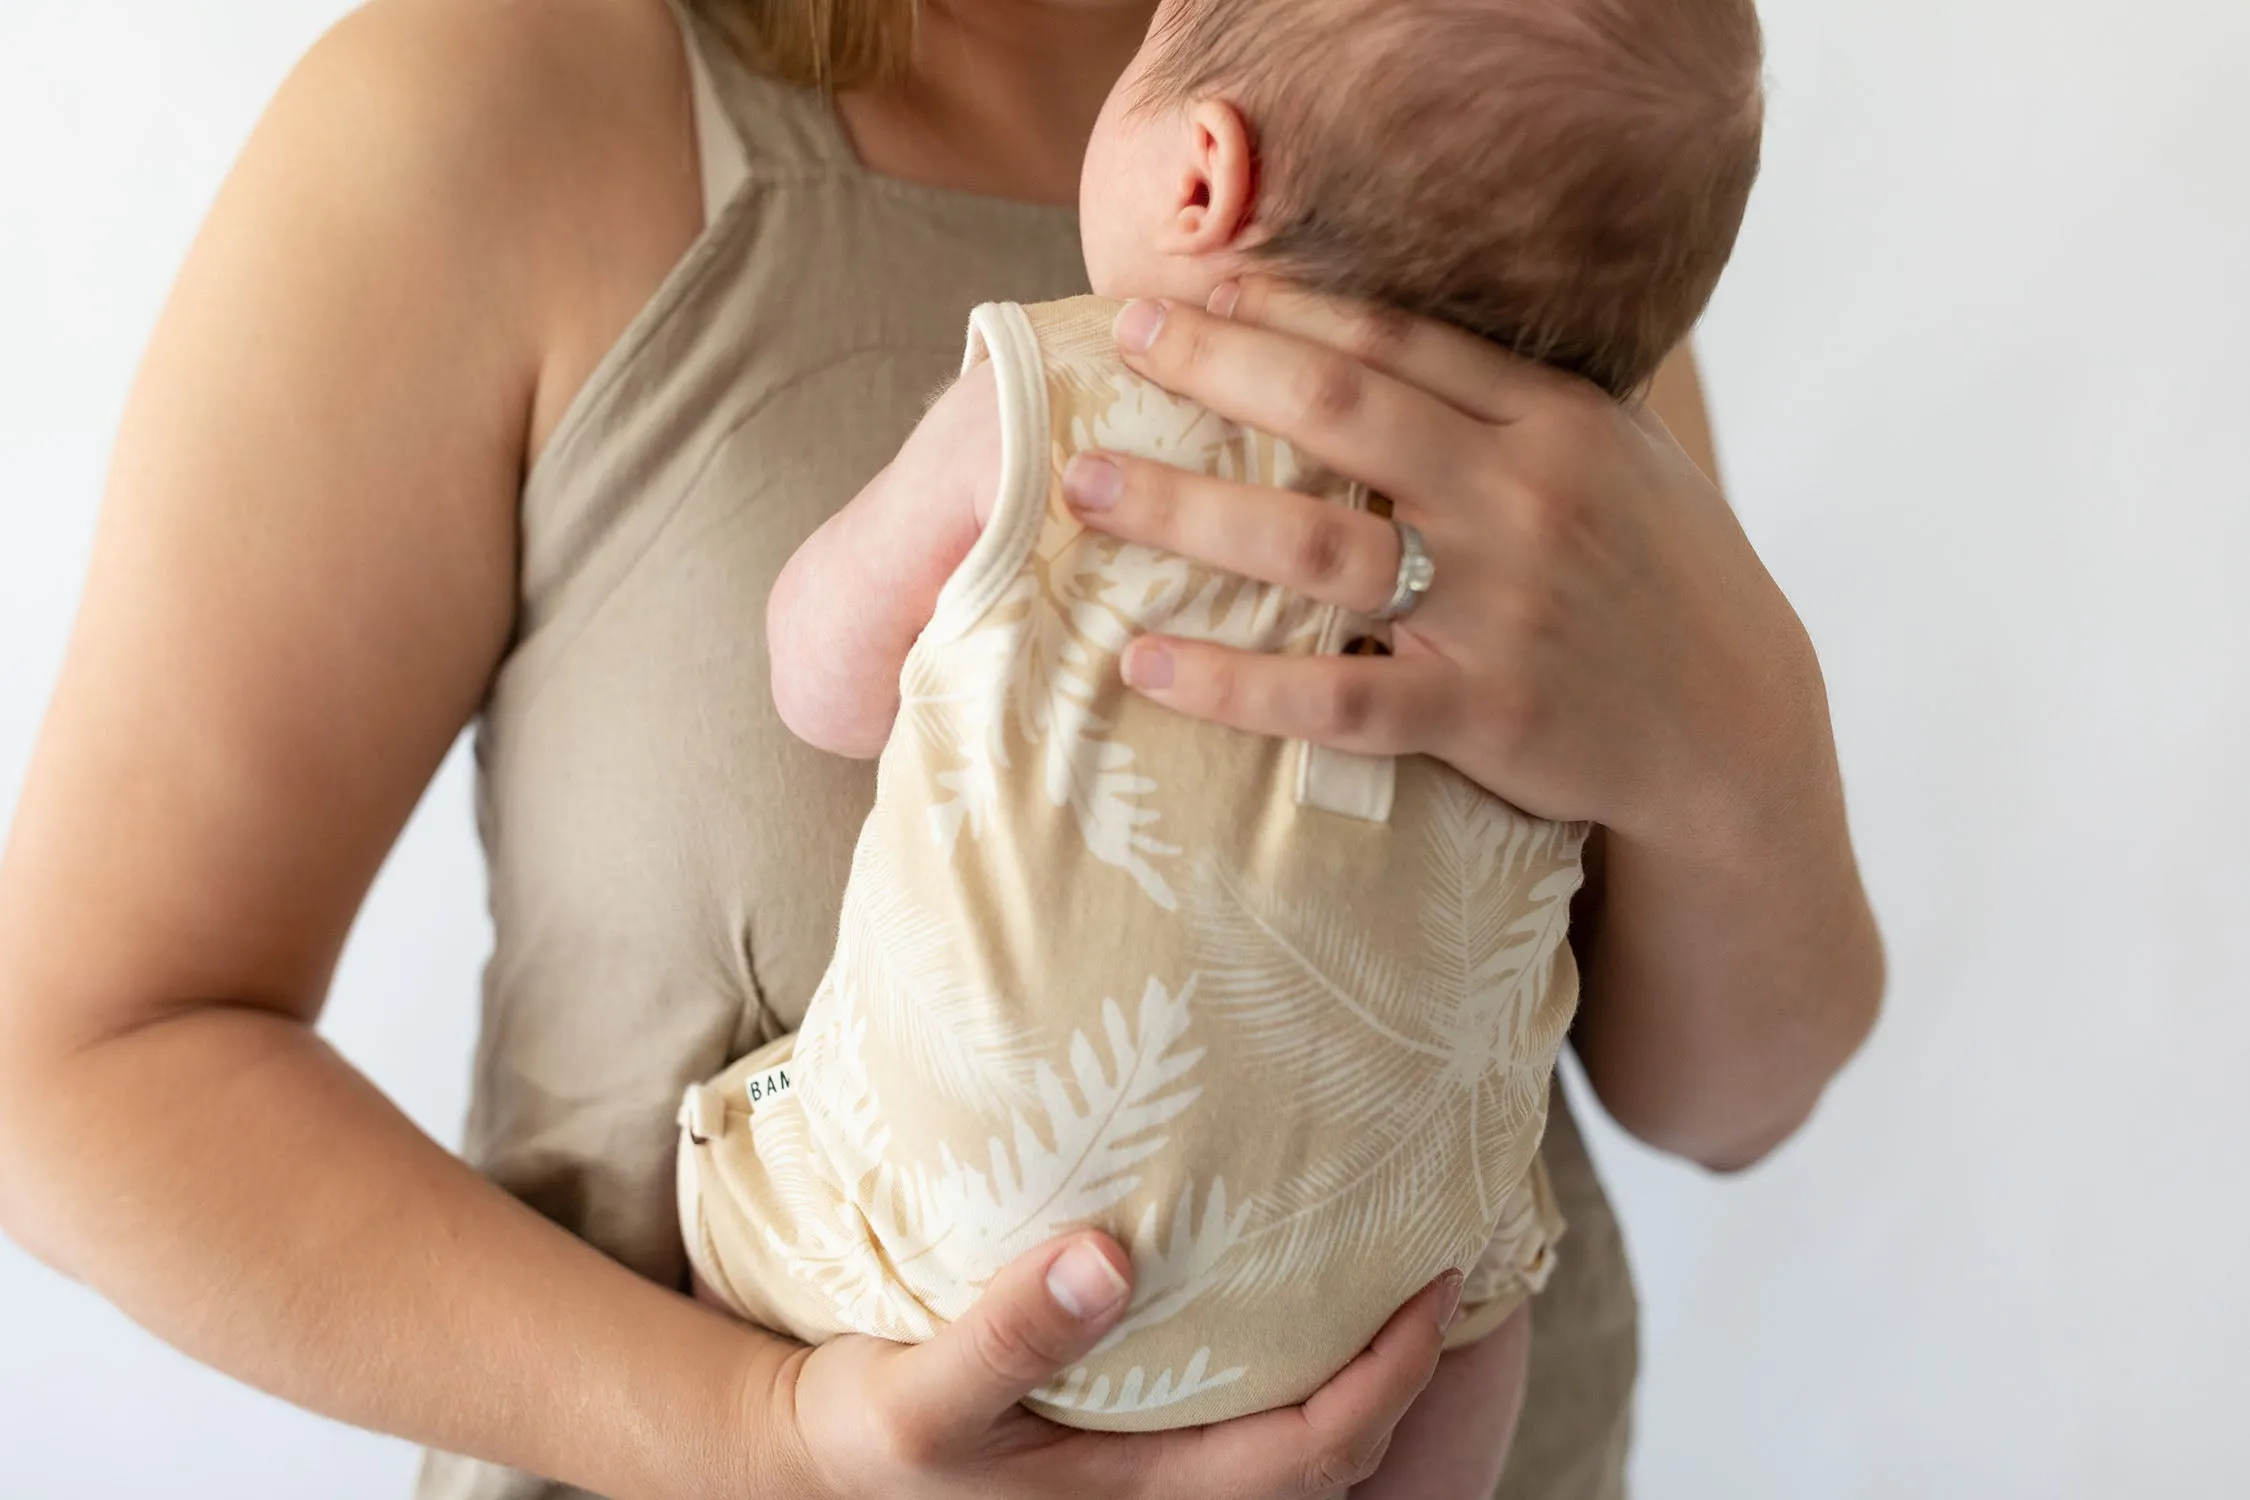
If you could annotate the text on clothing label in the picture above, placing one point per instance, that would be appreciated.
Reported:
(764, 1088)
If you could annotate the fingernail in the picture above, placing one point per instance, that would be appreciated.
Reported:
(1449, 1300)
(1148, 667)
(1092, 482)
(1224, 298)
(1137, 326)
(1084, 1283)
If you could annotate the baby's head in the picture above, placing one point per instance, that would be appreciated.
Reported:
(1565, 177)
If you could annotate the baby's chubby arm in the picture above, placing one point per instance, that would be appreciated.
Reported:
(847, 608)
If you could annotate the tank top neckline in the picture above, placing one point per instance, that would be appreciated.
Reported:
(811, 145)
(849, 162)
(825, 141)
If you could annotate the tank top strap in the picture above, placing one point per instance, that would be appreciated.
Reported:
(750, 126)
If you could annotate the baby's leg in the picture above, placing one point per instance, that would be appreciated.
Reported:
(1455, 1439)
(750, 1190)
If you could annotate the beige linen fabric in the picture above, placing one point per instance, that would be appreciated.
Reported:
(666, 860)
(1281, 1020)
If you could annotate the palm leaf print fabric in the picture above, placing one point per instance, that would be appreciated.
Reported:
(1101, 965)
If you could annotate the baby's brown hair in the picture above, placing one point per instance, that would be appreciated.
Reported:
(1564, 177)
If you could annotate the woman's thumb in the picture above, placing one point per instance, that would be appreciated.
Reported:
(1038, 1317)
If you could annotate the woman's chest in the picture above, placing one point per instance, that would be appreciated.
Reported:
(644, 809)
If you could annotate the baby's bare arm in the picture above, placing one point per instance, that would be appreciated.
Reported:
(849, 605)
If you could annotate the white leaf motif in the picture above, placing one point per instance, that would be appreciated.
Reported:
(1438, 1069)
(833, 1245)
(1036, 1186)
(1169, 1277)
(1074, 1391)
(903, 966)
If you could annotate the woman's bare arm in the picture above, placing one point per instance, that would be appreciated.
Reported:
(303, 578)
(1722, 993)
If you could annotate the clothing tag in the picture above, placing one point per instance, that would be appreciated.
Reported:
(764, 1088)
(1337, 781)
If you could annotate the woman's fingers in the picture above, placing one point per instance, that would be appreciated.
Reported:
(1374, 427)
(1337, 1437)
(1040, 1316)
(1476, 376)
(1323, 551)
(1361, 1407)
(1373, 705)
(946, 1409)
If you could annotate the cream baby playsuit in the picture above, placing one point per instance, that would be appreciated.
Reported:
(1281, 1019)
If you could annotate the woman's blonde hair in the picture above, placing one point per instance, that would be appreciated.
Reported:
(824, 44)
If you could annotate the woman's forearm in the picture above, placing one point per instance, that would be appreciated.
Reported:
(237, 1188)
(1723, 990)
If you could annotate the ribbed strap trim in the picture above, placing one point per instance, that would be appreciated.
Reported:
(1001, 333)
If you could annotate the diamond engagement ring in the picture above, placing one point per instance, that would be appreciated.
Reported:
(1415, 574)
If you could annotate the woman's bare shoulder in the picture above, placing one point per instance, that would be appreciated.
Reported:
(542, 153)
(305, 572)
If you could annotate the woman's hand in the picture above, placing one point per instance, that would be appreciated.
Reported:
(941, 1419)
(1600, 643)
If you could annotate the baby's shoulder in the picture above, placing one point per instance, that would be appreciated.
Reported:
(956, 449)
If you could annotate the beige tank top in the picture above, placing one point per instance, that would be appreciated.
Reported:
(667, 862)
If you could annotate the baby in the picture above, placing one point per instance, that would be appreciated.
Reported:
(1281, 1019)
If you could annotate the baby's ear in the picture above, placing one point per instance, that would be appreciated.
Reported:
(1216, 202)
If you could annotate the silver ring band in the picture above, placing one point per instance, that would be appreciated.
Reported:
(1415, 574)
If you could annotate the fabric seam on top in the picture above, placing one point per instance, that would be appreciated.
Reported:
(1002, 334)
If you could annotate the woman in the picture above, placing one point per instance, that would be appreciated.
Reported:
(520, 350)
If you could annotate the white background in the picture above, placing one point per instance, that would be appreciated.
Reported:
(1980, 376)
